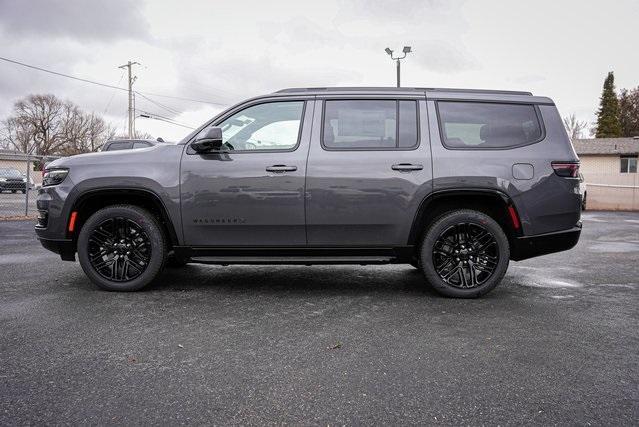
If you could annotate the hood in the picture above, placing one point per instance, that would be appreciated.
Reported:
(117, 156)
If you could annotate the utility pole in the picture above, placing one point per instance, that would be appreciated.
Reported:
(406, 51)
(132, 79)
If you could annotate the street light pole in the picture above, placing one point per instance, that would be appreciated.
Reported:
(397, 59)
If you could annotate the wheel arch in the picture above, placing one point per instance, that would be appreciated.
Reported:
(91, 201)
(493, 203)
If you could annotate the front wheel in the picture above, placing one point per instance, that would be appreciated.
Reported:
(465, 254)
(122, 248)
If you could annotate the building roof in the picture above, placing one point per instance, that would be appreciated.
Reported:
(606, 146)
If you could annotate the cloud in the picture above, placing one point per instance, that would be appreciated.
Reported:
(92, 20)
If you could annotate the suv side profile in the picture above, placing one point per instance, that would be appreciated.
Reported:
(454, 182)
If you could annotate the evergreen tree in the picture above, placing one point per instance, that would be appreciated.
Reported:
(629, 112)
(608, 125)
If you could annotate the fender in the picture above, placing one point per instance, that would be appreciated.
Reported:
(461, 192)
(82, 197)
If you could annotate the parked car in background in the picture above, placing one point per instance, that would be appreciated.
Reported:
(12, 180)
(128, 144)
(582, 191)
(453, 182)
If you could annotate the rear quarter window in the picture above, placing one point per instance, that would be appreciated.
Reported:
(477, 125)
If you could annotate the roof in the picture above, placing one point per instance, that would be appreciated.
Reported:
(398, 89)
(606, 146)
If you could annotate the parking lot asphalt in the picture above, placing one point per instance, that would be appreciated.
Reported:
(556, 343)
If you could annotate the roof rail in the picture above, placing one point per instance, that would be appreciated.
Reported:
(395, 89)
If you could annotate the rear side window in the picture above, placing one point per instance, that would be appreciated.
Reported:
(488, 125)
(370, 124)
(118, 146)
(141, 145)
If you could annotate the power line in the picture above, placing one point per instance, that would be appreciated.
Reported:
(105, 84)
(113, 94)
(148, 115)
(169, 109)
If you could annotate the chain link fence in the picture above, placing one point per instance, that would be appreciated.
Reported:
(20, 179)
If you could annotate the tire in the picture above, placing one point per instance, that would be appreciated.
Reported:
(24, 191)
(14, 191)
(482, 257)
(116, 259)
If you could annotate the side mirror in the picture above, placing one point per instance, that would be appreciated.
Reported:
(210, 141)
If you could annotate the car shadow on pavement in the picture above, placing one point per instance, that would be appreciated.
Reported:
(294, 279)
(347, 280)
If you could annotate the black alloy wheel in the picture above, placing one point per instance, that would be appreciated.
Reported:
(122, 247)
(465, 255)
(119, 249)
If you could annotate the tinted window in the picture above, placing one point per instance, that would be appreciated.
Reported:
(488, 125)
(407, 124)
(118, 146)
(141, 145)
(370, 124)
(270, 126)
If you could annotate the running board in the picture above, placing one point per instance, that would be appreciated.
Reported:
(292, 260)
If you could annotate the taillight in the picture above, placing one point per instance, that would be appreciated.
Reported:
(566, 169)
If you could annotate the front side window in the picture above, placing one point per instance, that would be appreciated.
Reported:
(488, 125)
(269, 126)
(370, 124)
(629, 164)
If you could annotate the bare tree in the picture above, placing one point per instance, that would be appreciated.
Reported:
(138, 135)
(574, 127)
(46, 125)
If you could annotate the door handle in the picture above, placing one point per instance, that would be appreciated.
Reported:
(281, 168)
(407, 167)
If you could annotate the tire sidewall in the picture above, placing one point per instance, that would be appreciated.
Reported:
(156, 238)
(453, 218)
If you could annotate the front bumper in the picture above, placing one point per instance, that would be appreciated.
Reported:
(13, 186)
(65, 248)
(531, 246)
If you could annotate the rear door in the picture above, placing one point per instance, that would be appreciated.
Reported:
(369, 168)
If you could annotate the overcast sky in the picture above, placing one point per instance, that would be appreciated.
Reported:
(224, 51)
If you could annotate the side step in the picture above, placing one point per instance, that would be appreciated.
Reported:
(292, 260)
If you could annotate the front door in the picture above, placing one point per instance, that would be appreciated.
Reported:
(251, 193)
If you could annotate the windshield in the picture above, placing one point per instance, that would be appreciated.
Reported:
(10, 173)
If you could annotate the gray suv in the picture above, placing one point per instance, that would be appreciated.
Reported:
(454, 182)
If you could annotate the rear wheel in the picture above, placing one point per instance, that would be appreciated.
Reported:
(122, 248)
(465, 254)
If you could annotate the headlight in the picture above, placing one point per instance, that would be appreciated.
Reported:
(54, 176)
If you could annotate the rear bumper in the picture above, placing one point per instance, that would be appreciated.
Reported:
(531, 246)
(65, 248)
